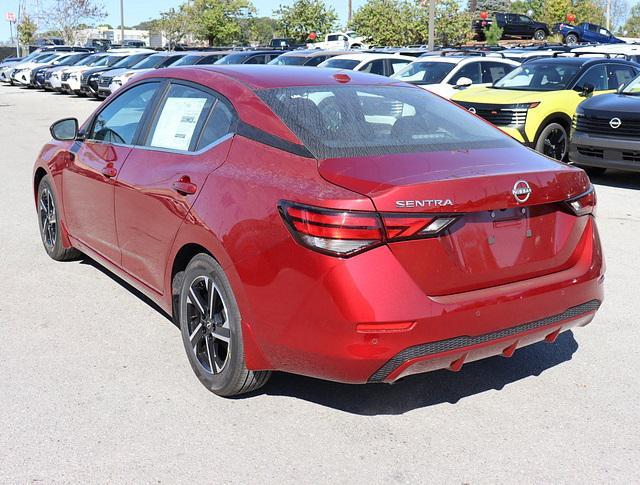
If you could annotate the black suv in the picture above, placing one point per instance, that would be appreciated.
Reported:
(513, 25)
(606, 130)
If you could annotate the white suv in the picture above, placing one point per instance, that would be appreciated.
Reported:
(382, 64)
(443, 74)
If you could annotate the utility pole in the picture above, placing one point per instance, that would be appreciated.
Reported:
(350, 13)
(432, 23)
(122, 22)
(608, 14)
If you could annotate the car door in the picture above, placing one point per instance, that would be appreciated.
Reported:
(88, 180)
(188, 138)
(469, 70)
(525, 26)
(510, 25)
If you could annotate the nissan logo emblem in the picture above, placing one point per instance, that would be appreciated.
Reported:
(615, 123)
(521, 191)
(472, 110)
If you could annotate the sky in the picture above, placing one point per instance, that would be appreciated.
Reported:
(135, 11)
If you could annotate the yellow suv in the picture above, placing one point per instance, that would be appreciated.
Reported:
(536, 102)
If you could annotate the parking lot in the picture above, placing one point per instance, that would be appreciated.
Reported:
(95, 386)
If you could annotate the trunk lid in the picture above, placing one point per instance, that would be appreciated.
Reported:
(497, 238)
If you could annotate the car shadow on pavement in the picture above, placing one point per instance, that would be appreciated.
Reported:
(618, 178)
(90, 262)
(427, 389)
(412, 392)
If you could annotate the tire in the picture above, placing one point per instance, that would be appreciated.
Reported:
(213, 339)
(50, 223)
(571, 39)
(553, 141)
(539, 34)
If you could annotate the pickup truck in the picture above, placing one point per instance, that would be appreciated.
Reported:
(340, 40)
(585, 32)
(513, 25)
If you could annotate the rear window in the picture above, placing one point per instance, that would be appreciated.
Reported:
(348, 121)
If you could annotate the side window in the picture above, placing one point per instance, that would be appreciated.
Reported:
(596, 76)
(374, 67)
(314, 61)
(470, 70)
(397, 64)
(180, 118)
(492, 71)
(118, 122)
(256, 59)
(618, 75)
(524, 19)
(219, 123)
(332, 38)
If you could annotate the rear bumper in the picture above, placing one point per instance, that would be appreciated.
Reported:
(605, 152)
(312, 324)
(453, 353)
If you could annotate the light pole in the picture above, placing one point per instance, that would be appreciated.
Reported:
(432, 23)
(122, 22)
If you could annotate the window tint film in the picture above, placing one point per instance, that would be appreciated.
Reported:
(471, 71)
(374, 67)
(118, 122)
(341, 63)
(179, 119)
(595, 75)
(220, 122)
(346, 121)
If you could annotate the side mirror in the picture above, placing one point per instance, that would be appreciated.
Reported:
(65, 129)
(587, 89)
(463, 82)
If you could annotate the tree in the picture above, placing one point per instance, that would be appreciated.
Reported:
(263, 29)
(405, 22)
(493, 6)
(27, 29)
(174, 24)
(66, 16)
(305, 16)
(631, 28)
(219, 21)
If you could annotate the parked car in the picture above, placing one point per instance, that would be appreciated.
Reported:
(606, 131)
(244, 192)
(89, 79)
(306, 57)
(134, 43)
(39, 74)
(340, 40)
(513, 25)
(71, 79)
(585, 32)
(7, 68)
(22, 73)
(249, 57)
(444, 75)
(535, 102)
(115, 79)
(382, 64)
(54, 81)
(629, 51)
(194, 58)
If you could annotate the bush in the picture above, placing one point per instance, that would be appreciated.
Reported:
(493, 34)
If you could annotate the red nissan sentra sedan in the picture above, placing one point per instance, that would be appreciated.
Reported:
(341, 226)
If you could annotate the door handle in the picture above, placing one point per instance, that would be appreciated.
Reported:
(184, 186)
(109, 171)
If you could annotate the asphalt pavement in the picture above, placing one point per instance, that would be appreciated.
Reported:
(95, 386)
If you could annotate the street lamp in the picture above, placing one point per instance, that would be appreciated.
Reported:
(122, 22)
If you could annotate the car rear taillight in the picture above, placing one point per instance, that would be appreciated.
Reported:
(584, 204)
(345, 233)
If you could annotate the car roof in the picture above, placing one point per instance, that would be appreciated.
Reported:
(371, 57)
(314, 53)
(269, 76)
(581, 60)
